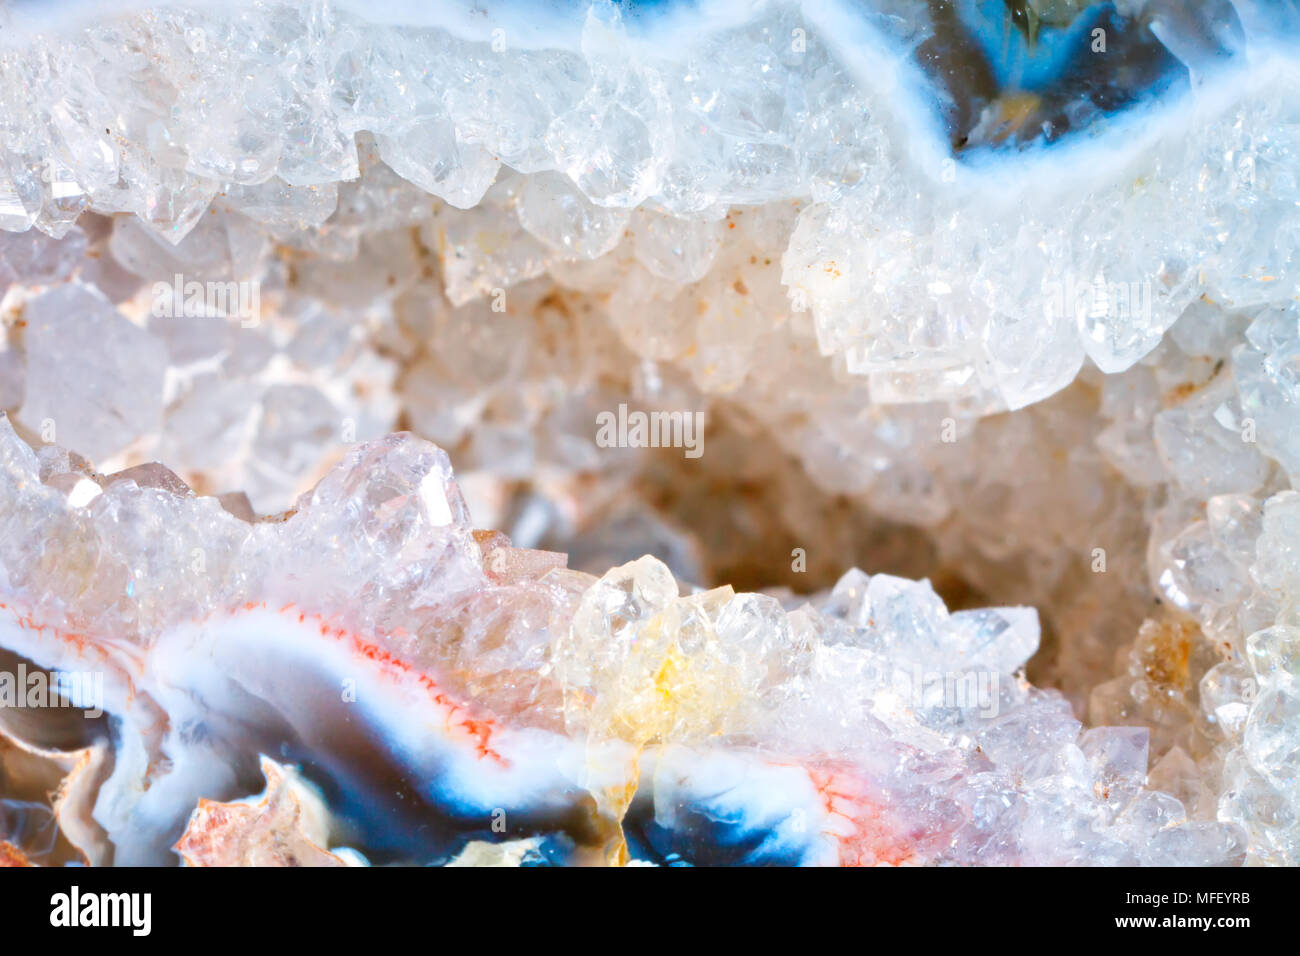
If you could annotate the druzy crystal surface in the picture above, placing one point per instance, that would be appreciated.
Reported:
(811, 433)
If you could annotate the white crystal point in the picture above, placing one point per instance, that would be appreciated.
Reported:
(1000, 640)
(94, 379)
(609, 632)
(1201, 445)
(612, 142)
(19, 460)
(1268, 742)
(387, 527)
(20, 199)
(1118, 755)
(404, 482)
(429, 155)
(556, 212)
(679, 250)
(1119, 324)
(1266, 372)
(1275, 651)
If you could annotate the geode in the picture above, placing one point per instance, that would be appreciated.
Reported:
(710, 305)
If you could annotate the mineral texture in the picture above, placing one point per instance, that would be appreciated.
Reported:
(710, 306)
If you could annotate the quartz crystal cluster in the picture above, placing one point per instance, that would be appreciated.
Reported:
(996, 301)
